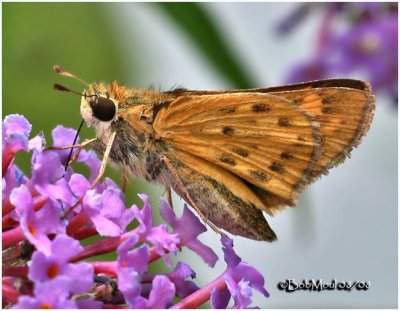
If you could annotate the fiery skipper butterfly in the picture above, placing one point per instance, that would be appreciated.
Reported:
(230, 154)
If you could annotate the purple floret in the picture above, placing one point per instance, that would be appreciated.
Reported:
(188, 227)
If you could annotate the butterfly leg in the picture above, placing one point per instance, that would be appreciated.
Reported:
(81, 145)
(104, 161)
(124, 181)
(101, 171)
(76, 154)
(169, 196)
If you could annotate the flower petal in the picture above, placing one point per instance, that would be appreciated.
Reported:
(188, 228)
(220, 299)
(161, 294)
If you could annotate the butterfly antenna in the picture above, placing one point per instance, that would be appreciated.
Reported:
(61, 71)
(62, 88)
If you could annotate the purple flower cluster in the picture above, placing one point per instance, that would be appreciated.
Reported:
(47, 215)
(354, 38)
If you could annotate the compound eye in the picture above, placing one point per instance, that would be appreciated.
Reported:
(103, 108)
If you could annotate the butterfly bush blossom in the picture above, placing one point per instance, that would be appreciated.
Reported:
(353, 38)
(46, 216)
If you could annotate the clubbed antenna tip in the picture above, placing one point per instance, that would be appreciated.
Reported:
(61, 71)
(58, 69)
(59, 87)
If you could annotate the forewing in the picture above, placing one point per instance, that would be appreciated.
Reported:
(344, 108)
(264, 139)
(344, 115)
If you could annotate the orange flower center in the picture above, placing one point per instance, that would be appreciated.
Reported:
(52, 271)
(46, 306)
(32, 229)
(123, 264)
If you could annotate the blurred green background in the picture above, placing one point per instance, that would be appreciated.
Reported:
(37, 36)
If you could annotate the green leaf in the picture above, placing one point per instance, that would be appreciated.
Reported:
(201, 29)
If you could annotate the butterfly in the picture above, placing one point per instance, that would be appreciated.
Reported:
(231, 155)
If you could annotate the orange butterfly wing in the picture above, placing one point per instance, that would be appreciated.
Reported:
(343, 108)
(344, 116)
(264, 139)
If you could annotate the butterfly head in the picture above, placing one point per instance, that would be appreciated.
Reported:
(97, 107)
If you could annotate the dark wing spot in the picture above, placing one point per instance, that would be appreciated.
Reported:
(286, 155)
(240, 151)
(276, 167)
(259, 175)
(328, 100)
(327, 110)
(260, 107)
(253, 146)
(297, 101)
(227, 110)
(301, 138)
(227, 130)
(284, 122)
(228, 160)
